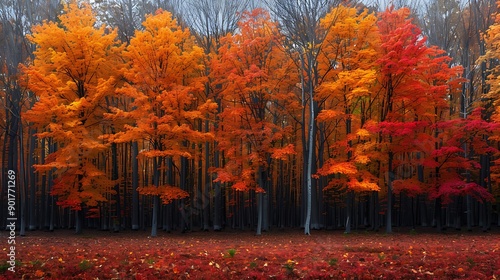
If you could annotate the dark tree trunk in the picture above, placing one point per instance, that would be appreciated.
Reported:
(79, 221)
(390, 178)
(437, 214)
(32, 181)
(156, 204)
(117, 197)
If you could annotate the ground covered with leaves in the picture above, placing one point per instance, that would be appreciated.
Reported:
(242, 255)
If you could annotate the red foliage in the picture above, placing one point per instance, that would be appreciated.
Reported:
(277, 255)
(412, 187)
(457, 187)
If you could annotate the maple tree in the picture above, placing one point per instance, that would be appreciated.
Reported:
(252, 68)
(210, 21)
(402, 50)
(490, 60)
(72, 73)
(344, 97)
(492, 54)
(161, 75)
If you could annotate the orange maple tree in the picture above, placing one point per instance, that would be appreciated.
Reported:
(74, 70)
(254, 71)
(162, 81)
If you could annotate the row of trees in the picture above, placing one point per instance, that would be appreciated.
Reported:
(317, 114)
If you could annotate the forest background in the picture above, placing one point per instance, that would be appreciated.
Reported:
(205, 115)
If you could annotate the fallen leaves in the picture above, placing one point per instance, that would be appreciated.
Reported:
(237, 255)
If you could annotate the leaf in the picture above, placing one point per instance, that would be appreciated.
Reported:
(362, 186)
(412, 187)
(167, 193)
(456, 187)
(446, 151)
(327, 115)
(333, 167)
(283, 153)
(362, 159)
(363, 133)
(240, 186)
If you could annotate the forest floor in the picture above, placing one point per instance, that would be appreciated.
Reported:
(277, 254)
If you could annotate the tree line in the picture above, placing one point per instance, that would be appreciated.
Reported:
(205, 115)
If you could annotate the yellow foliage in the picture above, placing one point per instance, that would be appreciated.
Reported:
(363, 133)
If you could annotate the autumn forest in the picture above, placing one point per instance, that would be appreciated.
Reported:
(212, 115)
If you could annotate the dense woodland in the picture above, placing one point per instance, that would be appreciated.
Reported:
(210, 115)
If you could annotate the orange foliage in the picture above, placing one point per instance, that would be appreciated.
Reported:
(167, 193)
(74, 70)
(251, 67)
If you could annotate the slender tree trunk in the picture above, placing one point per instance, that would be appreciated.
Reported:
(469, 212)
(390, 178)
(184, 219)
(265, 209)
(485, 162)
(135, 184)
(310, 147)
(154, 216)
(458, 213)
(437, 214)
(79, 221)
(23, 181)
(350, 194)
(44, 202)
(260, 202)
(53, 199)
(5, 164)
(114, 176)
(206, 201)
(125, 157)
(32, 181)
(349, 218)
(12, 153)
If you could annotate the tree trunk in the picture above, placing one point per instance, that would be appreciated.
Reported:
(114, 176)
(32, 181)
(437, 214)
(485, 163)
(350, 194)
(184, 219)
(154, 216)
(135, 184)
(79, 221)
(390, 178)
(154, 220)
(44, 201)
(22, 181)
(310, 148)
(206, 201)
(53, 199)
(260, 202)
(349, 202)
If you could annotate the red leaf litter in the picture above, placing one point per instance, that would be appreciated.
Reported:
(277, 254)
